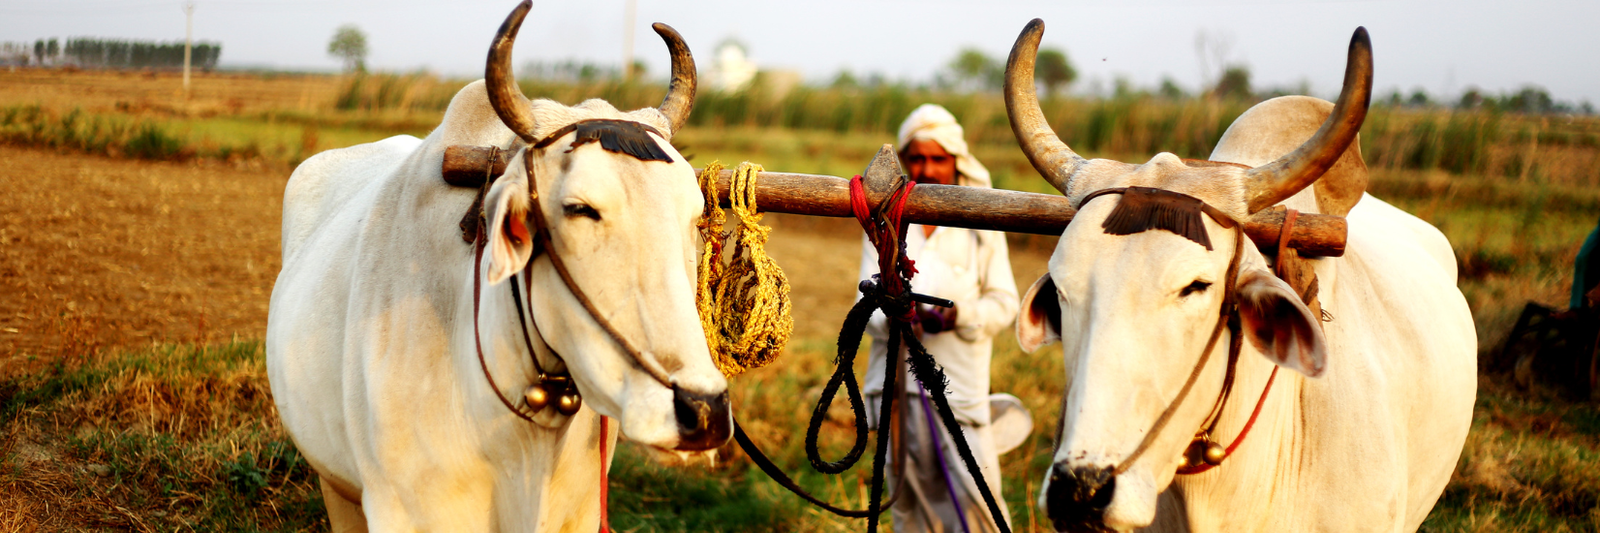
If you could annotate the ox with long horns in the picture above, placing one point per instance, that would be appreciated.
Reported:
(436, 385)
(1173, 330)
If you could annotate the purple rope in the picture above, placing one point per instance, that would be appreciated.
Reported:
(938, 456)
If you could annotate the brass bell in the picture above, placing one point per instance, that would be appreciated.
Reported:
(1215, 454)
(569, 402)
(1195, 452)
(537, 397)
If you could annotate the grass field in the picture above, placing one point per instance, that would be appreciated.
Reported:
(135, 280)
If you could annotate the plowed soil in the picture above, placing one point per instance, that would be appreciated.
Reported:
(99, 253)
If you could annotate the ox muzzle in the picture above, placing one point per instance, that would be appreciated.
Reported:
(1078, 496)
(704, 420)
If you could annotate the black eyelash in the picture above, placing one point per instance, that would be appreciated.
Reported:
(581, 210)
(1197, 286)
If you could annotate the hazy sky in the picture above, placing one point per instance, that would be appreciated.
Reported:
(1440, 46)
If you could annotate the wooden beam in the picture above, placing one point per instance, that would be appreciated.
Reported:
(939, 205)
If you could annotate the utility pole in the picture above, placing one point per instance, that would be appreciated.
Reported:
(627, 41)
(188, 43)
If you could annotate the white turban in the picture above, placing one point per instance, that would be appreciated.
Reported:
(931, 122)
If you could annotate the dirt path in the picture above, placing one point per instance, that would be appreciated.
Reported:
(98, 253)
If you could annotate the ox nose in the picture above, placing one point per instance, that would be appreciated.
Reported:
(1078, 497)
(704, 420)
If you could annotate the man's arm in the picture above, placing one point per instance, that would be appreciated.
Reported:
(996, 306)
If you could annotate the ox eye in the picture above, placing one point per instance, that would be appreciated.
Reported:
(580, 210)
(1196, 287)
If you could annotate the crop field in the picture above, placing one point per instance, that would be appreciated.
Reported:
(139, 245)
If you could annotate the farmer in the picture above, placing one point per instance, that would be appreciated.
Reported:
(973, 269)
(1586, 272)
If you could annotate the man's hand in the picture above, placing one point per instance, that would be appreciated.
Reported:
(936, 319)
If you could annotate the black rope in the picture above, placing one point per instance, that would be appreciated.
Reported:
(927, 371)
(850, 334)
(855, 325)
(923, 368)
(892, 295)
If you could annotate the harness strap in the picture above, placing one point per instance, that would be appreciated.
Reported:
(1283, 239)
(1205, 356)
(1233, 359)
(645, 361)
(477, 337)
(605, 481)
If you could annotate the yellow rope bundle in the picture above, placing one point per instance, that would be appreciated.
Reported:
(743, 299)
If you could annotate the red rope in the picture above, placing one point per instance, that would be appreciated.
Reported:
(1283, 251)
(1253, 414)
(895, 268)
(605, 484)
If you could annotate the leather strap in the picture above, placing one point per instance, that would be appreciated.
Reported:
(1233, 361)
(1283, 242)
(1228, 304)
(477, 337)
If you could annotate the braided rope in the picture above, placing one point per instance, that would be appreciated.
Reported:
(743, 296)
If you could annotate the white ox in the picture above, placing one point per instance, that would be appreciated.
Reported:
(371, 348)
(1365, 431)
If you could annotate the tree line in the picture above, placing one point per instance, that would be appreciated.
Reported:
(90, 52)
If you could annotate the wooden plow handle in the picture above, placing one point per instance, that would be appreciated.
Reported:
(938, 205)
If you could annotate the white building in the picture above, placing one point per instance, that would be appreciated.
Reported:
(732, 69)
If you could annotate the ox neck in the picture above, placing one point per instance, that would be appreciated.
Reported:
(544, 356)
(1261, 469)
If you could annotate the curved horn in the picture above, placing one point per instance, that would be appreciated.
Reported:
(1271, 183)
(680, 95)
(504, 94)
(1053, 158)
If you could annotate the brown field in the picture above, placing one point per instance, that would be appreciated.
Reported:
(133, 296)
(162, 92)
(107, 254)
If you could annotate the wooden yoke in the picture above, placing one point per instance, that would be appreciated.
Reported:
(938, 205)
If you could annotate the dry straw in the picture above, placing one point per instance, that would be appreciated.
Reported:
(743, 298)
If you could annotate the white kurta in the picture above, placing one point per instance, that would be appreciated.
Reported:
(973, 269)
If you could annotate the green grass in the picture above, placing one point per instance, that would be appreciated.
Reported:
(1529, 465)
(174, 437)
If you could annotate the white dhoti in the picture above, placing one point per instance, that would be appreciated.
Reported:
(926, 505)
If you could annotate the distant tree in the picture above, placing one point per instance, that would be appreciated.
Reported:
(1122, 88)
(1419, 98)
(845, 80)
(1531, 99)
(1054, 70)
(972, 67)
(350, 46)
(1171, 90)
(1234, 84)
(1472, 99)
(1586, 108)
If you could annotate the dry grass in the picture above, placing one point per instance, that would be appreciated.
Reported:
(161, 93)
(172, 438)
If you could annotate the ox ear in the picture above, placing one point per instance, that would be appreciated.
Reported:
(1039, 323)
(510, 237)
(1279, 324)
